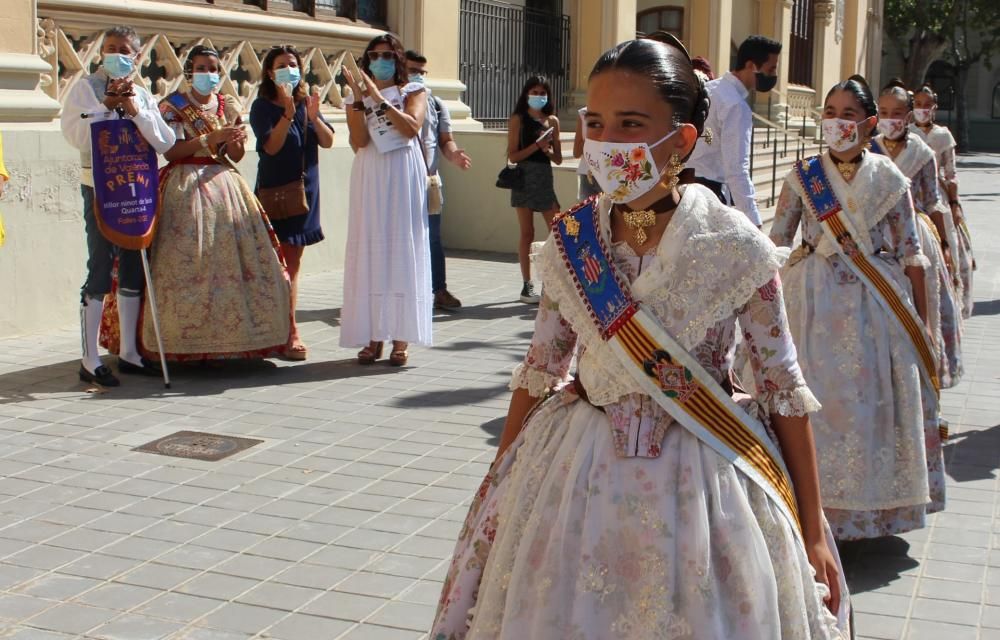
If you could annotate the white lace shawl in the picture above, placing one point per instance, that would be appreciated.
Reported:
(914, 156)
(708, 264)
(867, 199)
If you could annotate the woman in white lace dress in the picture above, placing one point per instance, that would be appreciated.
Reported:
(603, 517)
(939, 138)
(854, 353)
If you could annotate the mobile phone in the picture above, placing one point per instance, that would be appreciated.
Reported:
(352, 66)
(545, 134)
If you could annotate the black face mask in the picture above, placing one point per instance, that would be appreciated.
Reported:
(765, 82)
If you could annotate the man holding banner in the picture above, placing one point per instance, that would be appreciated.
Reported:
(117, 127)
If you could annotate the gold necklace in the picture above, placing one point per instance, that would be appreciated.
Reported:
(847, 170)
(892, 145)
(638, 222)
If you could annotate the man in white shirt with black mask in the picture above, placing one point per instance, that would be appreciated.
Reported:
(724, 165)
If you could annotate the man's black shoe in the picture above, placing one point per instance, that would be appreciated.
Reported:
(147, 368)
(102, 376)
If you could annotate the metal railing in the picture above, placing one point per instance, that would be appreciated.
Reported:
(776, 138)
(501, 46)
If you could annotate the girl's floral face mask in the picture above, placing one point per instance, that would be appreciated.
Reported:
(625, 170)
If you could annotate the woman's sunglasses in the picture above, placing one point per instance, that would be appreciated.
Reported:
(385, 55)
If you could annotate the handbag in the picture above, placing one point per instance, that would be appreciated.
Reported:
(510, 177)
(435, 199)
(287, 200)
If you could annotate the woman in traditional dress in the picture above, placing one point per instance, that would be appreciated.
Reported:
(863, 348)
(939, 139)
(609, 511)
(221, 290)
(290, 129)
(934, 223)
(387, 278)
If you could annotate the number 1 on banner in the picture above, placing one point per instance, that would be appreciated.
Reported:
(131, 186)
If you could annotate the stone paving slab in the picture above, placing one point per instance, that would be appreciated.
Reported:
(340, 523)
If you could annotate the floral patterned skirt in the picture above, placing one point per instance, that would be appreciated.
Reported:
(567, 540)
(221, 289)
(966, 265)
(877, 442)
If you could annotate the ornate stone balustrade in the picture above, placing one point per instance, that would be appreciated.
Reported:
(70, 36)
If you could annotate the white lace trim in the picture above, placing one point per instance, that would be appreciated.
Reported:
(537, 382)
(795, 402)
(869, 197)
(919, 260)
(708, 264)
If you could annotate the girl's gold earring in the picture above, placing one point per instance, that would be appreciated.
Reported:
(674, 168)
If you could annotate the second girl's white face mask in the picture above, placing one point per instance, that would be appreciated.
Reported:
(922, 116)
(893, 129)
(841, 135)
(625, 170)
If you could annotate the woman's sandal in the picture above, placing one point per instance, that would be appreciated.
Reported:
(398, 357)
(296, 351)
(371, 353)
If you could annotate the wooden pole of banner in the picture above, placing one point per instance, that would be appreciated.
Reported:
(156, 318)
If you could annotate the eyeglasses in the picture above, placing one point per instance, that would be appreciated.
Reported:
(385, 55)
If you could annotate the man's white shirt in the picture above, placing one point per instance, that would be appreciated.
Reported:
(727, 159)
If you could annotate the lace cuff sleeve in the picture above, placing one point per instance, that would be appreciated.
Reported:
(919, 260)
(795, 402)
(537, 382)
(550, 355)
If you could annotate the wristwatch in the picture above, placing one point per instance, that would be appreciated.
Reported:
(203, 141)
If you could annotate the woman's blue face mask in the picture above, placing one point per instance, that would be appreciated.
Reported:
(538, 102)
(287, 75)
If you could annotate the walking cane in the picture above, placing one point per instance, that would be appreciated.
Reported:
(156, 318)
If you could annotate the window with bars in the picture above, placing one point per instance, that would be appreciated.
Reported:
(669, 19)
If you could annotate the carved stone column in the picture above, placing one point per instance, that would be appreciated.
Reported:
(21, 70)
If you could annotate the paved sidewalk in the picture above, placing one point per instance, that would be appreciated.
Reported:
(340, 523)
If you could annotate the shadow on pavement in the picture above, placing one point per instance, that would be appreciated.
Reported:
(494, 428)
(972, 454)
(990, 308)
(876, 563)
(327, 316)
(187, 379)
(489, 311)
(448, 398)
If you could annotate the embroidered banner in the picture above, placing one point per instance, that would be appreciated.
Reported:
(670, 375)
(125, 183)
(823, 201)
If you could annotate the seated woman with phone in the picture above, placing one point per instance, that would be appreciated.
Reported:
(533, 144)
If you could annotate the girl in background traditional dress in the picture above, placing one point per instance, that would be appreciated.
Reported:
(387, 276)
(221, 290)
(934, 222)
(939, 139)
(855, 354)
(603, 516)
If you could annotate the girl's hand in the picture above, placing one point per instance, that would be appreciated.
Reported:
(825, 565)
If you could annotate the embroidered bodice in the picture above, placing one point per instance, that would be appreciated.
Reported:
(220, 111)
(638, 423)
(885, 211)
(918, 163)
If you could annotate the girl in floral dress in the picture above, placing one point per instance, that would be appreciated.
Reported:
(934, 222)
(854, 352)
(221, 290)
(939, 138)
(603, 517)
